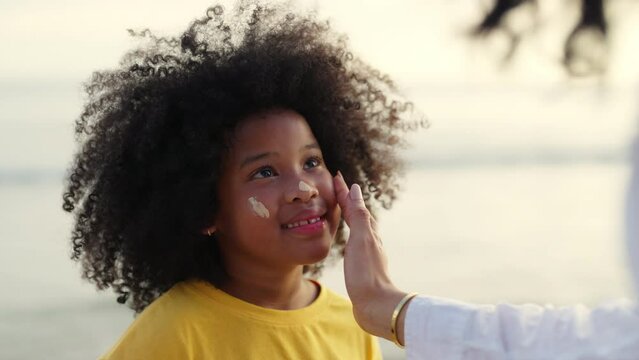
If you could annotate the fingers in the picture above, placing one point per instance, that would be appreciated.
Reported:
(341, 190)
(352, 203)
(374, 224)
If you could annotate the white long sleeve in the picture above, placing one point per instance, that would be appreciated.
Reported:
(451, 330)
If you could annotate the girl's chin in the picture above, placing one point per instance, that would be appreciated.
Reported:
(317, 254)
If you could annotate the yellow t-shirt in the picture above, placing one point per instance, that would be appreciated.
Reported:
(194, 320)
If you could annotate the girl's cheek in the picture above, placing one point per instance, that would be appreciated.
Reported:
(327, 190)
(258, 208)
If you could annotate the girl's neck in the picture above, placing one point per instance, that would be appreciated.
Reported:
(282, 291)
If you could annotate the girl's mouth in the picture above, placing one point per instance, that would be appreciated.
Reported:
(307, 227)
(302, 223)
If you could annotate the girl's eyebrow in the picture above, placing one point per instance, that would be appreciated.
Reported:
(310, 146)
(260, 156)
(254, 158)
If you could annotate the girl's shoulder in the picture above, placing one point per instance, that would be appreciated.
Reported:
(170, 306)
(336, 300)
(339, 309)
(161, 328)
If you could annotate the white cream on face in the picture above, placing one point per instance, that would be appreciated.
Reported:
(304, 186)
(258, 208)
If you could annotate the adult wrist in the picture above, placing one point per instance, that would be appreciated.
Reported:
(375, 312)
(400, 339)
(395, 325)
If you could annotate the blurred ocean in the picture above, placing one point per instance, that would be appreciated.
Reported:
(542, 233)
(515, 196)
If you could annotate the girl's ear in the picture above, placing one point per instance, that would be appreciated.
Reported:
(209, 231)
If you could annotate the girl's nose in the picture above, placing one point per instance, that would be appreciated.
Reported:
(301, 191)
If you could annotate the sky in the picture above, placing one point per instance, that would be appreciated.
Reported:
(473, 104)
(412, 39)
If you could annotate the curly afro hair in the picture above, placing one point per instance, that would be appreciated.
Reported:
(153, 134)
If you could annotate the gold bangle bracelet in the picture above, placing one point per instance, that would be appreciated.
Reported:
(398, 309)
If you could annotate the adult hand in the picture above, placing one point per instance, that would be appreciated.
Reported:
(369, 287)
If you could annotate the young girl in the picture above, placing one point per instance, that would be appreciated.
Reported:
(203, 193)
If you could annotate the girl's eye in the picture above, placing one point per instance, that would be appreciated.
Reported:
(312, 162)
(263, 173)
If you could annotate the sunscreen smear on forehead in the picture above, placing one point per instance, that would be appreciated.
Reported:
(258, 208)
(304, 186)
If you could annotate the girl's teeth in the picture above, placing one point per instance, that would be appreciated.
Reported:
(301, 223)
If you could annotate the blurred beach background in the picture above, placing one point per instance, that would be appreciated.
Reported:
(515, 192)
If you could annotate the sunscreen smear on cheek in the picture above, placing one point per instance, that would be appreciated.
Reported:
(258, 208)
(304, 186)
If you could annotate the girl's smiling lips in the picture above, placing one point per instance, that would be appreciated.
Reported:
(306, 222)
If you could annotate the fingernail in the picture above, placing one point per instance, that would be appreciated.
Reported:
(339, 173)
(356, 192)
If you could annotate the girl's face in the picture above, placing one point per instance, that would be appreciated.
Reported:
(277, 202)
